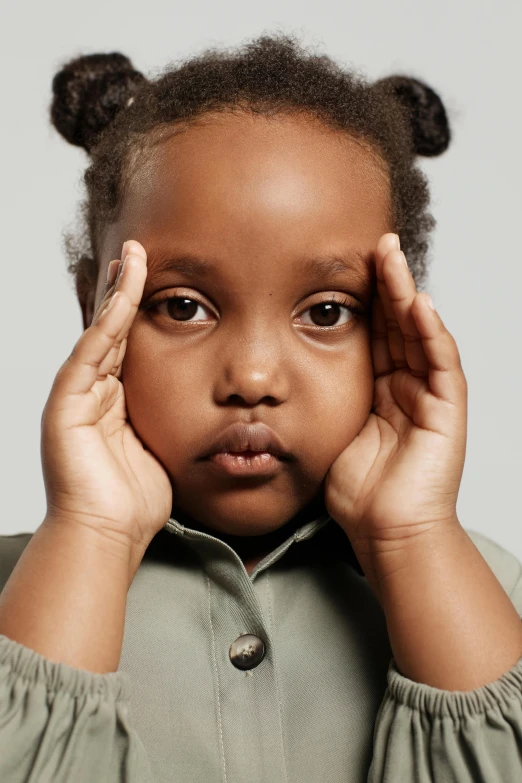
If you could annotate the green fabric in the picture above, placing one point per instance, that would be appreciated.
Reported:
(326, 703)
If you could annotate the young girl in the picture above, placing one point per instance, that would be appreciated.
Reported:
(189, 610)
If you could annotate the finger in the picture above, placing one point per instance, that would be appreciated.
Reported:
(445, 376)
(131, 248)
(382, 361)
(113, 274)
(112, 362)
(82, 368)
(114, 358)
(116, 370)
(136, 265)
(105, 335)
(388, 242)
(402, 291)
(395, 338)
(114, 271)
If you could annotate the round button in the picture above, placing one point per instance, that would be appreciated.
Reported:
(247, 651)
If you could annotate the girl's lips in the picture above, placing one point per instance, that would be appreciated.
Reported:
(246, 463)
(241, 437)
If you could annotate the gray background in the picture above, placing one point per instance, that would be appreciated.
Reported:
(468, 51)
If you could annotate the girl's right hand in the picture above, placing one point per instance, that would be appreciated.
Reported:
(96, 470)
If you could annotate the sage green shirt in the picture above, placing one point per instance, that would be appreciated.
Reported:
(326, 704)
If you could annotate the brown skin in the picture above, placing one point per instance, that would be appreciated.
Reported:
(258, 196)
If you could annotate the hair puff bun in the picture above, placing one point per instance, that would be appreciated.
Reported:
(88, 92)
(429, 124)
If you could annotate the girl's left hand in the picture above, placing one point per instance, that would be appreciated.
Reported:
(400, 476)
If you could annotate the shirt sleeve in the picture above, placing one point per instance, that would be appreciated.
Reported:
(60, 724)
(424, 734)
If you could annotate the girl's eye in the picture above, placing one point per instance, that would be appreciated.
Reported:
(178, 307)
(323, 314)
(326, 313)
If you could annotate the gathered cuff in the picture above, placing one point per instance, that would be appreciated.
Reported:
(456, 704)
(34, 668)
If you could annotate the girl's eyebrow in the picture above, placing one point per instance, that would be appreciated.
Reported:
(354, 262)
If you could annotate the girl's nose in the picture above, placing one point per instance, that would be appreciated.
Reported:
(253, 368)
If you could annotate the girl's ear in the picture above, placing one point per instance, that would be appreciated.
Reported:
(424, 110)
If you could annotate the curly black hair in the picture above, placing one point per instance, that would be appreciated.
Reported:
(103, 104)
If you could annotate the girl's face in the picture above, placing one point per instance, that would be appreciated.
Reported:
(256, 198)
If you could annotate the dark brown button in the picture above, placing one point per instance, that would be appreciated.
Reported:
(247, 651)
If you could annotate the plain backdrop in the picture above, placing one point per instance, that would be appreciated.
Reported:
(468, 51)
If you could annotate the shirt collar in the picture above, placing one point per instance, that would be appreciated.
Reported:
(332, 543)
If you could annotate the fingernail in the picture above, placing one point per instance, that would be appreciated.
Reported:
(429, 302)
(110, 273)
(398, 241)
(123, 251)
(120, 270)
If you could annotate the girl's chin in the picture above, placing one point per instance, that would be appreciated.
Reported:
(246, 522)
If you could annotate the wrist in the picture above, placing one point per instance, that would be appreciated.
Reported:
(111, 546)
(66, 597)
(450, 623)
(382, 558)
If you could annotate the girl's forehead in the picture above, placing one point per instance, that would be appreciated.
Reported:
(267, 167)
(250, 152)
(253, 194)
